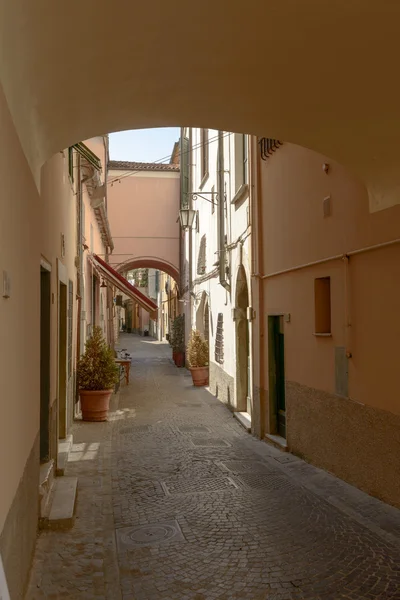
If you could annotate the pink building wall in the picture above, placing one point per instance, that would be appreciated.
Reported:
(143, 210)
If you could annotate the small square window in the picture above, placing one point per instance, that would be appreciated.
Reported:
(322, 297)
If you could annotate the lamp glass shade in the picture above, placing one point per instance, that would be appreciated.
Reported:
(186, 216)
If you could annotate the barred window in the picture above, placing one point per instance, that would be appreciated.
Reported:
(219, 339)
(201, 259)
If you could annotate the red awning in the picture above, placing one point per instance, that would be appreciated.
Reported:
(117, 280)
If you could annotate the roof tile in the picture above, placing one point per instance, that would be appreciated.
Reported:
(126, 165)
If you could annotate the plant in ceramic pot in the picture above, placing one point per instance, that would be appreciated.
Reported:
(171, 342)
(178, 340)
(97, 374)
(198, 355)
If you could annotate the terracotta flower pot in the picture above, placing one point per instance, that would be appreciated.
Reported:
(199, 375)
(95, 404)
(179, 359)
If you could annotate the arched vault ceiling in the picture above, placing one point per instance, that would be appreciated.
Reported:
(320, 73)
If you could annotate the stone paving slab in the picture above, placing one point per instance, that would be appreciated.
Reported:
(162, 518)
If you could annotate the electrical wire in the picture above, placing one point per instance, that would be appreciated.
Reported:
(160, 160)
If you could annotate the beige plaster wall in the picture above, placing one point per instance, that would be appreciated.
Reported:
(57, 218)
(19, 314)
(295, 232)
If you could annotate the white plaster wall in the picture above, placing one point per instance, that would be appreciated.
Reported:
(237, 224)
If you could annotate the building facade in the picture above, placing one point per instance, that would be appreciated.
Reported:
(69, 219)
(327, 329)
(216, 261)
(287, 274)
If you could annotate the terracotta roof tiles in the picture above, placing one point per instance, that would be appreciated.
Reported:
(126, 165)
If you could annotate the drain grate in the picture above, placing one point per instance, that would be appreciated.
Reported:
(193, 486)
(246, 466)
(194, 429)
(134, 429)
(210, 442)
(189, 404)
(270, 482)
(147, 535)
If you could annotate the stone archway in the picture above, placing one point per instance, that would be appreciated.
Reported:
(243, 400)
(148, 262)
(308, 106)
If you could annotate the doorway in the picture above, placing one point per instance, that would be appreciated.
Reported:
(45, 293)
(62, 361)
(243, 364)
(276, 365)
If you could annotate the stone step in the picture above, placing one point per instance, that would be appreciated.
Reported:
(60, 511)
(277, 441)
(46, 479)
(244, 419)
(64, 448)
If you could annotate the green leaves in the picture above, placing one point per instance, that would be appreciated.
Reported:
(177, 339)
(97, 369)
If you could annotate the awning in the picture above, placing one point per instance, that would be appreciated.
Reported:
(117, 280)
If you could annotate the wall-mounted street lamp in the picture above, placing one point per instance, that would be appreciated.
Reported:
(196, 195)
(186, 217)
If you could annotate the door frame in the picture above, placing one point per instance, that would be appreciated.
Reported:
(62, 350)
(275, 322)
(45, 361)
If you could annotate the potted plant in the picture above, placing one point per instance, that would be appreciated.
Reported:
(170, 342)
(97, 374)
(197, 353)
(178, 340)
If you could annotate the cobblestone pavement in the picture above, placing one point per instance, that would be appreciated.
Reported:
(177, 502)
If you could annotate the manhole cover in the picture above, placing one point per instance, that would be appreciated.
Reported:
(210, 442)
(191, 486)
(193, 429)
(260, 481)
(134, 429)
(246, 466)
(147, 535)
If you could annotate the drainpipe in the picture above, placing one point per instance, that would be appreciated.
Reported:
(262, 340)
(110, 293)
(190, 232)
(221, 214)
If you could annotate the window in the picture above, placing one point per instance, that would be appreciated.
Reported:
(204, 153)
(219, 339)
(245, 154)
(201, 259)
(322, 296)
(71, 162)
(241, 166)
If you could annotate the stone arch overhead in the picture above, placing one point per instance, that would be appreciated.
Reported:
(323, 100)
(148, 262)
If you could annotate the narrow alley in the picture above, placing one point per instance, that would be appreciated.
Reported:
(177, 502)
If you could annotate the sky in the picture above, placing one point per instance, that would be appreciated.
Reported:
(143, 145)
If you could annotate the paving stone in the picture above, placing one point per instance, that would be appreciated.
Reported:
(226, 518)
